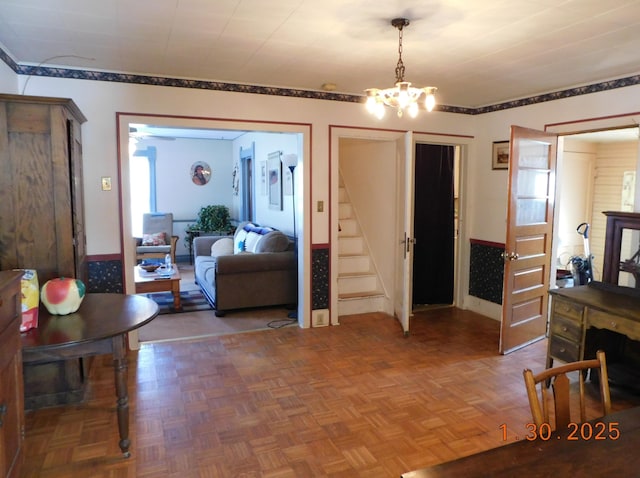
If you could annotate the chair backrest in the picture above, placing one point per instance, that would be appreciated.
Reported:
(557, 378)
(155, 222)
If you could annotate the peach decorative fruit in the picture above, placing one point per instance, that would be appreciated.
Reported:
(63, 295)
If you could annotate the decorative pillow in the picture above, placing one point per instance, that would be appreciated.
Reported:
(251, 241)
(274, 241)
(156, 239)
(222, 247)
(239, 240)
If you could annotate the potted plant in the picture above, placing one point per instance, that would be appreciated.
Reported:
(211, 219)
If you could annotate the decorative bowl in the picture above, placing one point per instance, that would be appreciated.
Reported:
(149, 267)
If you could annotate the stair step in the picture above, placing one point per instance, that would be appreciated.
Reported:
(348, 227)
(357, 283)
(351, 245)
(354, 264)
(345, 211)
(360, 295)
(361, 304)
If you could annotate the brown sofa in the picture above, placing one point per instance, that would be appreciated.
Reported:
(253, 268)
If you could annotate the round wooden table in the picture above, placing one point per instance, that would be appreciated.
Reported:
(100, 326)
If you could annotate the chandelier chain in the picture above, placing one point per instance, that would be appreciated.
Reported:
(403, 97)
(400, 66)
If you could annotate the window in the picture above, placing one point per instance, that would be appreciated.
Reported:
(143, 182)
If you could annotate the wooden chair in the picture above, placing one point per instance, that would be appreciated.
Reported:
(557, 377)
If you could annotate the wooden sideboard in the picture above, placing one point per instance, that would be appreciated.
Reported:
(11, 391)
(594, 316)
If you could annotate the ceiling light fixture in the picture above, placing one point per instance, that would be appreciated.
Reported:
(403, 96)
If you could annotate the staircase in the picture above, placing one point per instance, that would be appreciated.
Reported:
(359, 288)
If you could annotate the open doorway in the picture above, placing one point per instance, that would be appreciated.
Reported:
(395, 150)
(596, 173)
(435, 229)
(298, 137)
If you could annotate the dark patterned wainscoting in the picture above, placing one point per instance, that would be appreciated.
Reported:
(486, 270)
(320, 277)
(105, 276)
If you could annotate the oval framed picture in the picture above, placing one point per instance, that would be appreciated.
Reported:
(200, 173)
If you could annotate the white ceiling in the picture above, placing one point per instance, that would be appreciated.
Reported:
(477, 52)
(171, 133)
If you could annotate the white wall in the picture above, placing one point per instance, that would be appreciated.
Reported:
(575, 197)
(485, 205)
(176, 193)
(100, 101)
(8, 79)
(611, 162)
(266, 143)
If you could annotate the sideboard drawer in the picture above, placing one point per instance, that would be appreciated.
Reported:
(567, 309)
(567, 328)
(564, 349)
(603, 320)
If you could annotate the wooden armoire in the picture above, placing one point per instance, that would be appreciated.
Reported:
(41, 196)
(11, 385)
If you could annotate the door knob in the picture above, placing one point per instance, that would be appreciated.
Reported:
(510, 256)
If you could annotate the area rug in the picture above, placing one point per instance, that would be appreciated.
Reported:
(192, 301)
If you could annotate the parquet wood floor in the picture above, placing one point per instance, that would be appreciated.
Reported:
(353, 400)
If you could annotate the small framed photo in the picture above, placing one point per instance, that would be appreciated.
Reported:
(500, 156)
(200, 173)
(274, 173)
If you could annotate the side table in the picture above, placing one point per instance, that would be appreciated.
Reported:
(99, 327)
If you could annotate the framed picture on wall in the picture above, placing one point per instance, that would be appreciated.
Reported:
(500, 156)
(274, 178)
(263, 178)
(200, 173)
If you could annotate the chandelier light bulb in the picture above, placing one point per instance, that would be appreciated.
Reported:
(371, 104)
(413, 110)
(402, 96)
(430, 101)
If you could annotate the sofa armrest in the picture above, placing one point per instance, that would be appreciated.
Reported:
(202, 244)
(250, 262)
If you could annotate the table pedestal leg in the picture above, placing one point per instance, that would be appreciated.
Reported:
(120, 368)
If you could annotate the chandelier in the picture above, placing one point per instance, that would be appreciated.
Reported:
(403, 96)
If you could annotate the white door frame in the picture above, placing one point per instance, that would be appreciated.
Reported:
(336, 133)
(303, 196)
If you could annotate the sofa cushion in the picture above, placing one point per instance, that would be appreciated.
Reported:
(156, 239)
(222, 247)
(274, 241)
